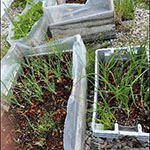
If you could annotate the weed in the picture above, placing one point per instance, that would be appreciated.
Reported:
(90, 56)
(46, 124)
(124, 9)
(5, 47)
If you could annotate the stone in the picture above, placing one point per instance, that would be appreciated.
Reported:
(126, 148)
(115, 147)
(99, 140)
(130, 144)
(94, 146)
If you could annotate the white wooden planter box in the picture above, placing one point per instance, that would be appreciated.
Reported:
(89, 20)
(118, 129)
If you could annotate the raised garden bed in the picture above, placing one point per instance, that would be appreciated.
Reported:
(42, 91)
(121, 100)
(89, 20)
(45, 96)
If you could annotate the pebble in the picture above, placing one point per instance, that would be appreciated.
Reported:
(126, 148)
(114, 147)
(130, 144)
(99, 140)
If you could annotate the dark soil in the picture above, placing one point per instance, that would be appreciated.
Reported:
(19, 123)
(138, 112)
(76, 1)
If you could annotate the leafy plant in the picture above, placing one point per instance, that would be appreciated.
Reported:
(23, 25)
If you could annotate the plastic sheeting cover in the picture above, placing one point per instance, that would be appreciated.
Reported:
(65, 12)
(76, 107)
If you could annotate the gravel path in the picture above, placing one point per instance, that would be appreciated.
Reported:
(133, 31)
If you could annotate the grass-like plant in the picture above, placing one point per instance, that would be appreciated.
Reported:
(46, 124)
(37, 70)
(118, 79)
(5, 47)
(124, 10)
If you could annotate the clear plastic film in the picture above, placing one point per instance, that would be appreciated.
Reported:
(65, 12)
(91, 19)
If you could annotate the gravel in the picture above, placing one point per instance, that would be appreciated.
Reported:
(133, 31)
(5, 22)
(130, 32)
(122, 143)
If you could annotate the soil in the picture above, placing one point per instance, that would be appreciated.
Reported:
(19, 123)
(76, 1)
(138, 112)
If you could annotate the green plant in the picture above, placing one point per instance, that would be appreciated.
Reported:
(90, 56)
(124, 10)
(4, 47)
(106, 117)
(118, 79)
(21, 3)
(23, 25)
(143, 3)
(46, 124)
(40, 94)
